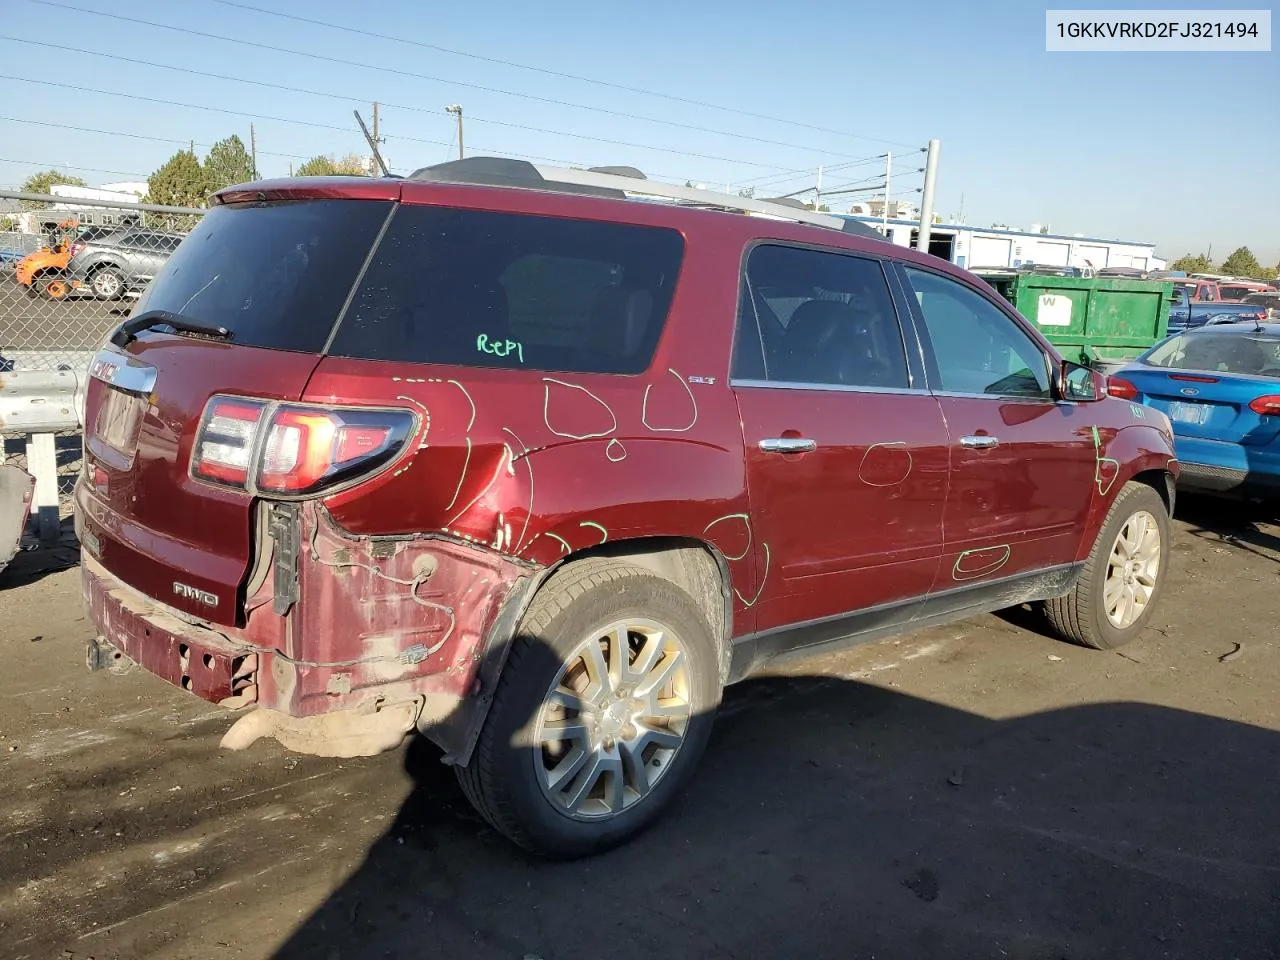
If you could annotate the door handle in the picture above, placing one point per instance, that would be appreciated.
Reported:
(788, 445)
(979, 443)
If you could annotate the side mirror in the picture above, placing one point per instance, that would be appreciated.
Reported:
(1080, 384)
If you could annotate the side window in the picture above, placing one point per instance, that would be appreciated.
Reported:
(977, 347)
(808, 316)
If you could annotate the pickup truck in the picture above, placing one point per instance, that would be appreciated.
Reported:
(1186, 312)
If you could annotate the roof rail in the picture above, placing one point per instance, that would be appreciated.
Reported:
(620, 182)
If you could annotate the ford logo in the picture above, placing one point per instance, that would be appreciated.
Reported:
(1190, 392)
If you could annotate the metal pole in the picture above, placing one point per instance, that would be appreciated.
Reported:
(888, 179)
(926, 201)
(817, 192)
(456, 110)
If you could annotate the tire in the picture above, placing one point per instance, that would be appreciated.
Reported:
(509, 777)
(53, 286)
(107, 283)
(1082, 616)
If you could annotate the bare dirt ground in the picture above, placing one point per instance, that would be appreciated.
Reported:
(973, 791)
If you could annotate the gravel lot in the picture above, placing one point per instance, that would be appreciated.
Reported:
(973, 791)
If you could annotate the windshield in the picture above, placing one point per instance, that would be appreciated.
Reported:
(274, 275)
(1251, 355)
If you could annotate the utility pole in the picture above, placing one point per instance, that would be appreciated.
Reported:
(817, 192)
(456, 110)
(888, 180)
(253, 151)
(376, 138)
(926, 201)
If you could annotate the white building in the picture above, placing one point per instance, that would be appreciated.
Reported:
(970, 247)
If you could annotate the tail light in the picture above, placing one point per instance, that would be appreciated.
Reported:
(1268, 406)
(1192, 378)
(1122, 388)
(294, 449)
(76, 248)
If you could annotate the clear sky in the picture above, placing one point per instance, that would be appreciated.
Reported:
(1176, 148)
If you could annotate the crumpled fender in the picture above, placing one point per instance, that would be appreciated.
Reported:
(16, 490)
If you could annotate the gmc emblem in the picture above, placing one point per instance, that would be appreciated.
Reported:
(104, 370)
(191, 593)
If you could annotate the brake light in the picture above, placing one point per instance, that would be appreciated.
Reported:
(1122, 388)
(1268, 406)
(77, 247)
(224, 443)
(1192, 378)
(304, 449)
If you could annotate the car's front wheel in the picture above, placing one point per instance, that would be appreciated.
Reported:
(1123, 577)
(601, 714)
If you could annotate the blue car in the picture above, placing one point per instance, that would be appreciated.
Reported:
(1220, 388)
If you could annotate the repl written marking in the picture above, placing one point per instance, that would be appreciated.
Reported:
(500, 348)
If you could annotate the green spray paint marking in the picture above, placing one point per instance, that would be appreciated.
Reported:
(500, 348)
(1104, 486)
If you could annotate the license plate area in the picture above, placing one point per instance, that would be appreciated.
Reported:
(1184, 411)
(113, 436)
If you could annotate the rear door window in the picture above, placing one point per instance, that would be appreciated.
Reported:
(275, 274)
(486, 289)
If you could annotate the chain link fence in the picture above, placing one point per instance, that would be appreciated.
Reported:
(70, 271)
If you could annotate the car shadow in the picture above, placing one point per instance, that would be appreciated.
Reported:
(1233, 523)
(833, 818)
(39, 559)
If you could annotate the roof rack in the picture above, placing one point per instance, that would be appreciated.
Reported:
(623, 182)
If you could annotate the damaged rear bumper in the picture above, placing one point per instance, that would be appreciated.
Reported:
(384, 636)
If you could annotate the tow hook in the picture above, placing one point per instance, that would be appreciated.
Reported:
(100, 655)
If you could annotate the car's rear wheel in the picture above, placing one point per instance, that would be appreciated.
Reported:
(107, 283)
(601, 713)
(1123, 576)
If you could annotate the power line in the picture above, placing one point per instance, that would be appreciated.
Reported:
(555, 73)
(385, 103)
(136, 136)
(422, 76)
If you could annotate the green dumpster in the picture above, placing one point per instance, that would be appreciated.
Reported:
(1100, 321)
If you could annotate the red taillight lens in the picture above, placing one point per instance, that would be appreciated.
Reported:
(306, 449)
(1193, 378)
(224, 443)
(1122, 388)
(1268, 406)
(76, 248)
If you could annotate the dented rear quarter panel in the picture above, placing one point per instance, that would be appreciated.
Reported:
(540, 465)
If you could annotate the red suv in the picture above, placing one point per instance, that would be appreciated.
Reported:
(536, 468)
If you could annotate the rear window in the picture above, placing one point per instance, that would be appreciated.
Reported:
(484, 289)
(274, 275)
(1253, 355)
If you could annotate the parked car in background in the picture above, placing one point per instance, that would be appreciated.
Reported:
(43, 271)
(1220, 388)
(1268, 301)
(1239, 289)
(1185, 313)
(121, 262)
(496, 453)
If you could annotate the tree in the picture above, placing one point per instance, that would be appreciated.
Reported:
(42, 181)
(228, 163)
(181, 182)
(1241, 263)
(328, 166)
(1187, 263)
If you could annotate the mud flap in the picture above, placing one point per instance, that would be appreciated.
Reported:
(16, 490)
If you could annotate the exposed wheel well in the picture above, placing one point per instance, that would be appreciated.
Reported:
(1162, 482)
(694, 566)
